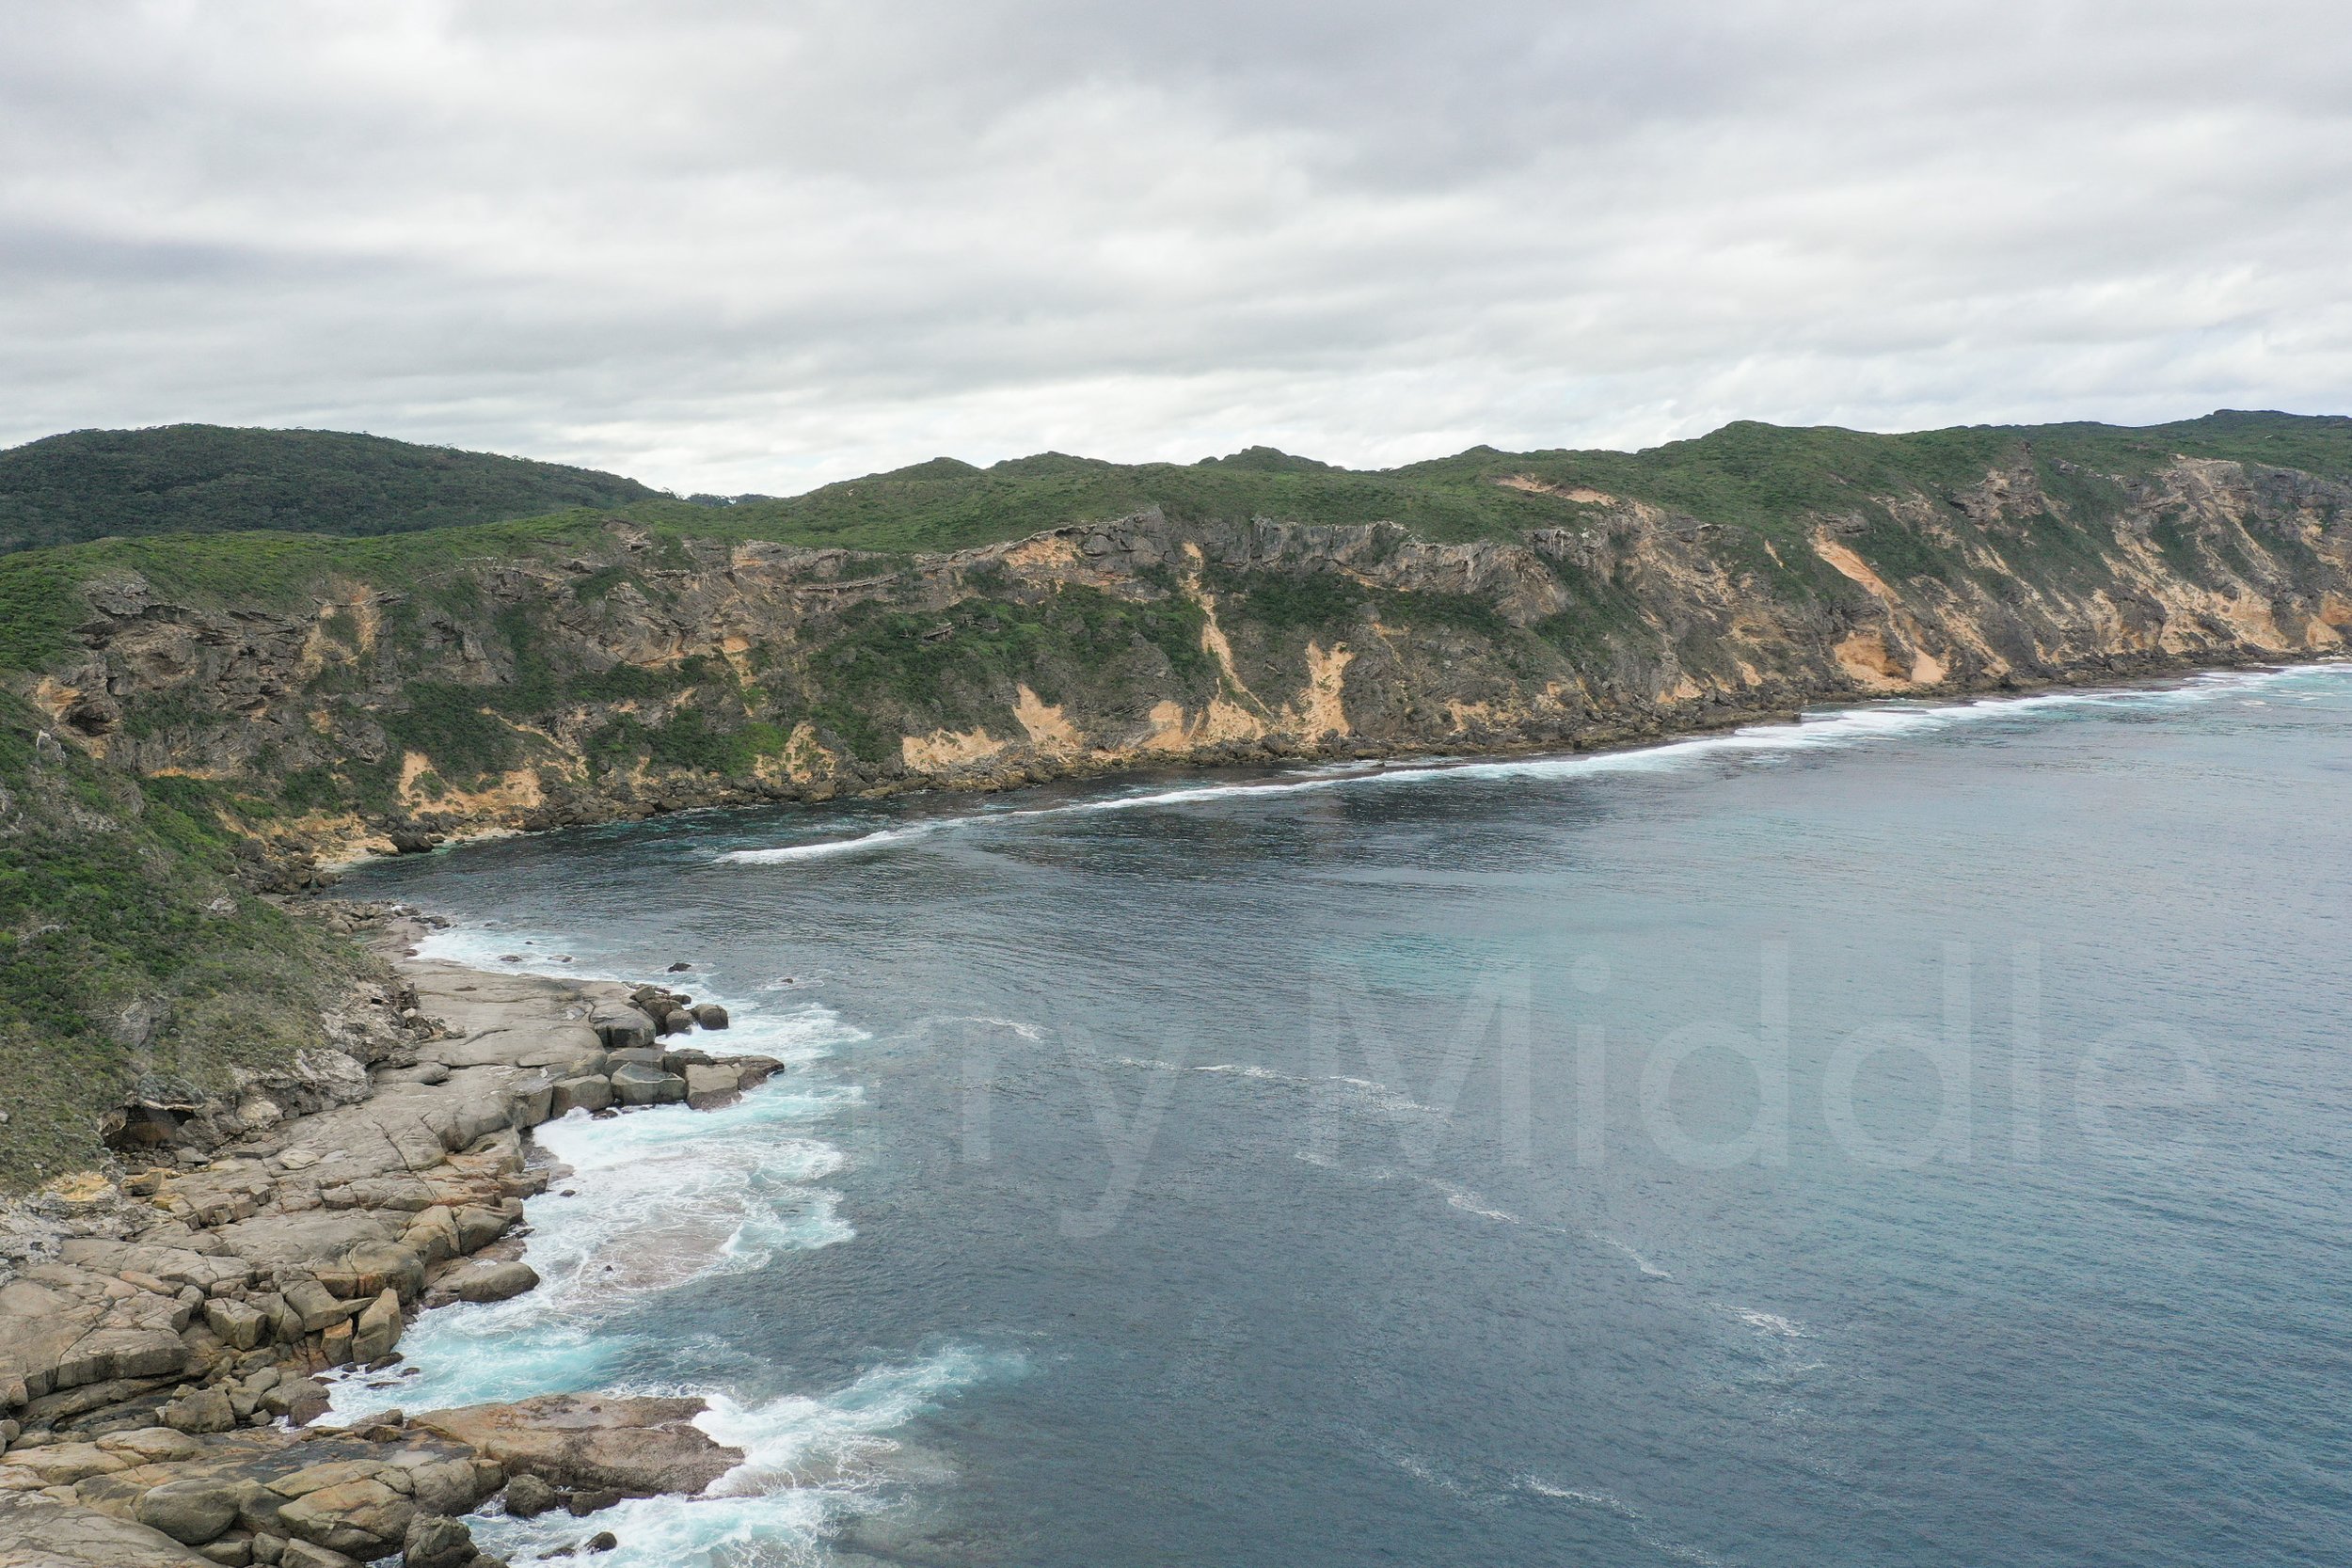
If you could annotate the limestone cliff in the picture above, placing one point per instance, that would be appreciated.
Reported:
(636, 668)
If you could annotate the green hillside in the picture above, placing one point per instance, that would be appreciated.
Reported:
(210, 479)
(1766, 478)
(130, 959)
(1759, 475)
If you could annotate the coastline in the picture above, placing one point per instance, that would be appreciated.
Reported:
(354, 851)
(164, 1339)
(407, 1187)
(337, 856)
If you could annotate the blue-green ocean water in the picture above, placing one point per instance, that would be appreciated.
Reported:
(1916, 1136)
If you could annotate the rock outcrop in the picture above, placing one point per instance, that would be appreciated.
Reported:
(636, 676)
(162, 1341)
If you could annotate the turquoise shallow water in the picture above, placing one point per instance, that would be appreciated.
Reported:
(1916, 1136)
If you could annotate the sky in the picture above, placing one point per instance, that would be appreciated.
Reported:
(731, 246)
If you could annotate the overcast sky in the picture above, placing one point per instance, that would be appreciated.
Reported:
(726, 246)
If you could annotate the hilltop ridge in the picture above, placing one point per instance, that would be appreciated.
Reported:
(211, 478)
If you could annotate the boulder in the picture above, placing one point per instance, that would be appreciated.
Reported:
(624, 1031)
(378, 1328)
(240, 1326)
(436, 1543)
(677, 1022)
(454, 1485)
(365, 1518)
(432, 1235)
(711, 1016)
(373, 1267)
(195, 1511)
(150, 1446)
(588, 1092)
(205, 1410)
(42, 1532)
(710, 1086)
(63, 1464)
(485, 1280)
(754, 1071)
(477, 1227)
(315, 1307)
(639, 1447)
(533, 1098)
(528, 1497)
(303, 1553)
(635, 1084)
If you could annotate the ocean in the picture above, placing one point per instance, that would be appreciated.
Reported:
(1917, 1135)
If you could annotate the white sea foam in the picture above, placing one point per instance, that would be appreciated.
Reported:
(1470, 1203)
(1606, 1502)
(1638, 1522)
(810, 1461)
(1031, 1032)
(1770, 1322)
(1818, 730)
(661, 1197)
(1375, 1093)
(823, 848)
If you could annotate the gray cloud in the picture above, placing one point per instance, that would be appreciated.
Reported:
(756, 246)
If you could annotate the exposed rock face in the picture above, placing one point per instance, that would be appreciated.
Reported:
(639, 1448)
(41, 1532)
(756, 671)
(156, 1353)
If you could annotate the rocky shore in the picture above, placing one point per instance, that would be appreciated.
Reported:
(165, 1328)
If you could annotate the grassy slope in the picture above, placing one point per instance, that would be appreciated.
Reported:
(127, 953)
(209, 479)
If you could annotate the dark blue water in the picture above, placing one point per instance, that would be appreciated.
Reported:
(1917, 1138)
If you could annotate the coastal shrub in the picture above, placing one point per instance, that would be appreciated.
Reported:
(125, 951)
(1289, 601)
(448, 724)
(40, 606)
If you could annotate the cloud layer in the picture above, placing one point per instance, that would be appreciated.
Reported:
(731, 246)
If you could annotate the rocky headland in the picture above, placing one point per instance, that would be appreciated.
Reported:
(165, 1328)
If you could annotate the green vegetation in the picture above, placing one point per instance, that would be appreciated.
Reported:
(1764, 480)
(448, 724)
(128, 957)
(38, 609)
(208, 479)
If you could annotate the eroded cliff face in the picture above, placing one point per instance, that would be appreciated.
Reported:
(651, 676)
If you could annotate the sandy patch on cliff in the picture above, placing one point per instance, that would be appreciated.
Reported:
(516, 790)
(1049, 730)
(52, 697)
(1044, 550)
(1582, 494)
(1174, 732)
(1870, 663)
(1850, 567)
(1327, 681)
(943, 750)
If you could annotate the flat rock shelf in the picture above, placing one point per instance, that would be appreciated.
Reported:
(165, 1337)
